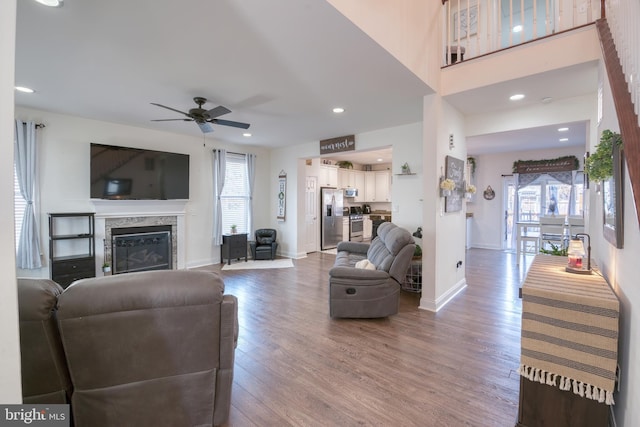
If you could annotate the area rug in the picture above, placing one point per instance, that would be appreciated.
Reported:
(262, 264)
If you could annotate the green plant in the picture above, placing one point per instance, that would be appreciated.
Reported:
(555, 250)
(417, 252)
(105, 265)
(405, 168)
(599, 165)
(344, 164)
(472, 162)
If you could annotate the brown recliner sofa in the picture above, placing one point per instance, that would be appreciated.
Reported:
(45, 376)
(152, 348)
(369, 293)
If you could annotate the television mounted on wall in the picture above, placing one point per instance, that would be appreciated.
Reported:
(125, 173)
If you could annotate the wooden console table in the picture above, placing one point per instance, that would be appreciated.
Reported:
(233, 246)
(568, 348)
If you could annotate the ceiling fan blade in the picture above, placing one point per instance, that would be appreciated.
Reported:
(170, 120)
(169, 108)
(231, 123)
(205, 127)
(217, 112)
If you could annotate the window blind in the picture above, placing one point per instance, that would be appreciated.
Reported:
(235, 194)
(19, 206)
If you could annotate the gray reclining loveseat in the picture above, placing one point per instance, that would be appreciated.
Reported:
(368, 293)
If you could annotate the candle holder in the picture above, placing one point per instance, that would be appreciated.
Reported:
(576, 253)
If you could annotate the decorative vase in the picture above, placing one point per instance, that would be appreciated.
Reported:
(445, 193)
(234, 230)
(106, 269)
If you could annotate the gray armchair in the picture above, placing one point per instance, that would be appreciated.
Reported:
(45, 376)
(363, 293)
(150, 348)
(264, 246)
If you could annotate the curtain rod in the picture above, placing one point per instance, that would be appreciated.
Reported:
(38, 125)
(232, 152)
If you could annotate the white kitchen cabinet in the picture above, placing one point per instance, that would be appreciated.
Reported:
(346, 178)
(369, 187)
(343, 179)
(359, 184)
(367, 227)
(383, 186)
(328, 176)
(345, 229)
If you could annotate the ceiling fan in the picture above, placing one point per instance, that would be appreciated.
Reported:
(203, 117)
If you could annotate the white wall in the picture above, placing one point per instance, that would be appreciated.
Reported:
(10, 388)
(487, 224)
(443, 233)
(64, 175)
(620, 267)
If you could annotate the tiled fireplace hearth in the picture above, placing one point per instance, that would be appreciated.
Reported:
(115, 217)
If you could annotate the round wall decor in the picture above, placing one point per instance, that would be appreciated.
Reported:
(489, 194)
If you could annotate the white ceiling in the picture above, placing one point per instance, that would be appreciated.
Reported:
(279, 65)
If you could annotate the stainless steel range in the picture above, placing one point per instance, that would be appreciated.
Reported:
(356, 224)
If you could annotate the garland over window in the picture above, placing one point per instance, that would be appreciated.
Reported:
(561, 164)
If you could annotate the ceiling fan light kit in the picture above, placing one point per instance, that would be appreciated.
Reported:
(202, 117)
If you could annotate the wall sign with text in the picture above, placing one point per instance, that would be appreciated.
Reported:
(337, 145)
(282, 196)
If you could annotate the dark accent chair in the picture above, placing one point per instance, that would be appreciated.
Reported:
(153, 348)
(362, 293)
(265, 245)
(45, 376)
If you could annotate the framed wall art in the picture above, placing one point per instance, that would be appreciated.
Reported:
(613, 200)
(454, 170)
(468, 20)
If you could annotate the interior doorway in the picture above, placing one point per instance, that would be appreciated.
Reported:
(508, 224)
(311, 197)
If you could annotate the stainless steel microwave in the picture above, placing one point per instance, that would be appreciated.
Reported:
(350, 192)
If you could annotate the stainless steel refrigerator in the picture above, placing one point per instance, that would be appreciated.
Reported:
(332, 203)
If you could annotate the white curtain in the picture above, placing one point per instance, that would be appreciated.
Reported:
(219, 171)
(25, 150)
(251, 177)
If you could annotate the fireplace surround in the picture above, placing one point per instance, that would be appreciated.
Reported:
(115, 214)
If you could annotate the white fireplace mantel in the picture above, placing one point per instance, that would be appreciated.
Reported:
(139, 208)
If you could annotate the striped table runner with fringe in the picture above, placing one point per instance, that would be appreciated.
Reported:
(569, 330)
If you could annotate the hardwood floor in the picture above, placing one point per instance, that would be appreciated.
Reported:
(295, 366)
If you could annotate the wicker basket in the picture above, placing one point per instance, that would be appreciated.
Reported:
(413, 279)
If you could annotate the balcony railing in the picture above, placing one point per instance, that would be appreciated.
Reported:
(477, 27)
(623, 17)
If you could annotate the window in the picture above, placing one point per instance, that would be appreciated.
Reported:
(548, 196)
(18, 208)
(235, 194)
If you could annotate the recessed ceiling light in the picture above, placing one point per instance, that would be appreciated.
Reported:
(517, 28)
(546, 100)
(24, 89)
(338, 110)
(379, 160)
(247, 134)
(51, 3)
(563, 129)
(564, 139)
(516, 97)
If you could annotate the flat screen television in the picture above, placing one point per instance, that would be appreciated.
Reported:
(138, 174)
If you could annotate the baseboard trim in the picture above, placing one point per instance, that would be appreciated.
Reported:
(436, 305)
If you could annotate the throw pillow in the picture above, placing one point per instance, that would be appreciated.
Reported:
(366, 264)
